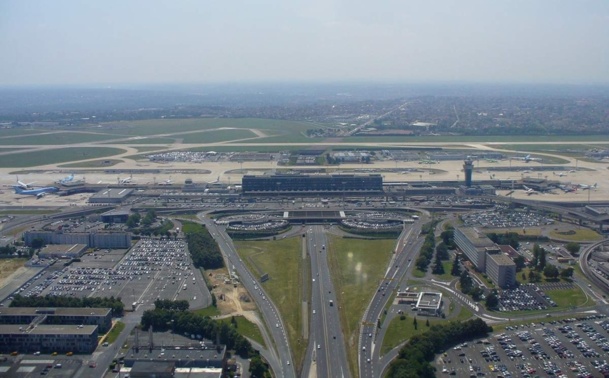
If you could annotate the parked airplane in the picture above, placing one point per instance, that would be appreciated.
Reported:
(585, 186)
(169, 181)
(529, 191)
(38, 192)
(567, 188)
(23, 185)
(126, 180)
(215, 181)
(560, 174)
(66, 179)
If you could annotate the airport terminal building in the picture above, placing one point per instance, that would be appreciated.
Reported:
(313, 184)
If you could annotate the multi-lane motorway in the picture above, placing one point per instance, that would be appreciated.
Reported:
(281, 361)
(326, 355)
(408, 245)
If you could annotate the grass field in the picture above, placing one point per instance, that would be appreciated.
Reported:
(56, 138)
(485, 139)
(569, 298)
(160, 126)
(18, 131)
(577, 235)
(207, 311)
(399, 330)
(168, 140)
(357, 266)
(448, 265)
(214, 136)
(10, 266)
(282, 261)
(114, 332)
(246, 328)
(59, 155)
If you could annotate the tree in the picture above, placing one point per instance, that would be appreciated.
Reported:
(573, 248)
(414, 323)
(566, 273)
(551, 271)
(456, 269)
(438, 268)
(38, 243)
(520, 262)
(466, 282)
(492, 301)
(427, 322)
(257, 368)
(133, 220)
(534, 276)
(542, 260)
(442, 251)
(476, 293)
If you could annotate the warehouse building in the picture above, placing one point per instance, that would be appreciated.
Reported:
(112, 240)
(346, 184)
(62, 251)
(101, 317)
(48, 338)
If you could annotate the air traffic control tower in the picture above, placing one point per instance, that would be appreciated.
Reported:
(468, 169)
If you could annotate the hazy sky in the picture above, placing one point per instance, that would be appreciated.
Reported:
(122, 41)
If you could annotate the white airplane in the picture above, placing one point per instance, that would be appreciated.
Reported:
(529, 191)
(528, 158)
(169, 181)
(215, 181)
(23, 185)
(560, 174)
(126, 180)
(66, 179)
(585, 186)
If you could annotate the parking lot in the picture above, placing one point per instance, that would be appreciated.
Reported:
(152, 269)
(503, 217)
(576, 347)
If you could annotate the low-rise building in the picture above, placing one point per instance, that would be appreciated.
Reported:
(48, 338)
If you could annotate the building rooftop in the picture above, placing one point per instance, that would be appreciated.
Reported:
(47, 329)
(61, 311)
(113, 193)
(501, 259)
(476, 237)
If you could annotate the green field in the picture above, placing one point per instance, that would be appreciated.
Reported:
(247, 329)
(356, 266)
(19, 131)
(214, 136)
(290, 138)
(577, 235)
(160, 126)
(56, 138)
(146, 141)
(59, 155)
(399, 330)
(569, 298)
(207, 311)
(283, 262)
(484, 139)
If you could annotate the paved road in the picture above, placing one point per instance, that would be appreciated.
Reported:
(369, 345)
(326, 355)
(282, 361)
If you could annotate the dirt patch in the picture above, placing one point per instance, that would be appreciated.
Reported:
(231, 296)
(11, 268)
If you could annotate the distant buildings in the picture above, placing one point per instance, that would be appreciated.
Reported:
(114, 240)
(312, 184)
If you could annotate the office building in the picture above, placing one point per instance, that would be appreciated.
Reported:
(48, 338)
(500, 269)
(473, 243)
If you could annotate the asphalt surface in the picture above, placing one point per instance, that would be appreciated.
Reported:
(326, 354)
(282, 362)
(370, 363)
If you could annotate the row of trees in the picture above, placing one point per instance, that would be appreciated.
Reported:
(426, 252)
(203, 248)
(60, 301)
(508, 238)
(181, 321)
(168, 304)
(414, 358)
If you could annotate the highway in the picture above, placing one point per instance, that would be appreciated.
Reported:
(326, 355)
(406, 250)
(281, 364)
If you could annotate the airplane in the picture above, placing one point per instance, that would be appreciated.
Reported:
(66, 179)
(492, 160)
(38, 192)
(529, 191)
(169, 181)
(585, 186)
(23, 185)
(527, 158)
(126, 180)
(560, 174)
(215, 181)
(567, 188)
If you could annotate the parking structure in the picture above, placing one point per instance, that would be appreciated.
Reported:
(575, 347)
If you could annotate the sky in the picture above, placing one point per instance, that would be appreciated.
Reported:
(75, 42)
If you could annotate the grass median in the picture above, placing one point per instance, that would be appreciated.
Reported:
(282, 261)
(357, 267)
